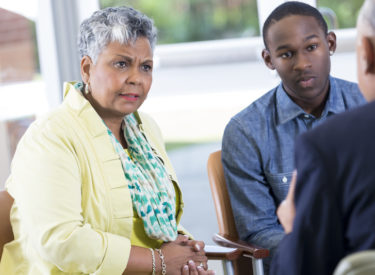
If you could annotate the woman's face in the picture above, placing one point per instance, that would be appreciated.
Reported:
(121, 78)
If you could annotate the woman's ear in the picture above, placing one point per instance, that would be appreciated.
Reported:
(267, 59)
(331, 40)
(86, 64)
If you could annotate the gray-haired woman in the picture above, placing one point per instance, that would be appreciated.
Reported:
(94, 191)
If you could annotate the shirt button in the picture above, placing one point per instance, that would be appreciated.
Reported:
(306, 116)
(284, 179)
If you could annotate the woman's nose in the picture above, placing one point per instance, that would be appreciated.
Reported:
(134, 76)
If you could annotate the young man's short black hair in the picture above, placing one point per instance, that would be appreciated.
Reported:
(292, 8)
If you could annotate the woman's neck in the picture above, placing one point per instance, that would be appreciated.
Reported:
(114, 124)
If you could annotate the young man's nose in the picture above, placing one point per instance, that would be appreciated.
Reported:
(302, 61)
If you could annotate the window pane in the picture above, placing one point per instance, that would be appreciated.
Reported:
(17, 47)
(196, 20)
(21, 89)
(346, 11)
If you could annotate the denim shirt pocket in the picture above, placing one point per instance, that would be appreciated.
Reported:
(279, 184)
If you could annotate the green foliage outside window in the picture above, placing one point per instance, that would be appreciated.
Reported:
(346, 11)
(196, 20)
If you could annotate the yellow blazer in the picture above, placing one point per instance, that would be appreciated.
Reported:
(73, 211)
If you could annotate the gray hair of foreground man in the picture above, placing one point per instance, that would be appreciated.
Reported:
(114, 24)
(366, 18)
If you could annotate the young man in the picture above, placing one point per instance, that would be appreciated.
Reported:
(257, 149)
(335, 189)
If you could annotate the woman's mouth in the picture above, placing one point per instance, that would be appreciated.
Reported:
(130, 97)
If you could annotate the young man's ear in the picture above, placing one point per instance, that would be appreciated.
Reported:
(368, 55)
(267, 59)
(331, 39)
(86, 64)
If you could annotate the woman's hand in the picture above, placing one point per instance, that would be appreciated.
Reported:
(192, 269)
(184, 252)
(177, 254)
(197, 246)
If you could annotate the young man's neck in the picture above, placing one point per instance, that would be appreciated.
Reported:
(313, 107)
(316, 111)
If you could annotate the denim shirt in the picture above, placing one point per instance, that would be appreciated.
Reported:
(258, 156)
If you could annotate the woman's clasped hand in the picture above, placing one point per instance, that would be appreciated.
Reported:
(185, 256)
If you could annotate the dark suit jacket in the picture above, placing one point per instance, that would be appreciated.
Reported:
(335, 195)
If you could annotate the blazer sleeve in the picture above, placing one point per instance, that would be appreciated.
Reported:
(46, 184)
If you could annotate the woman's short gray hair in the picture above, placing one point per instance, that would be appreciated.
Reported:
(114, 24)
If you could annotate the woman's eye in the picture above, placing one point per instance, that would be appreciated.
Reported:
(120, 64)
(146, 68)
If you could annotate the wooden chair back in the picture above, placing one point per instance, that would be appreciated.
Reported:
(6, 232)
(220, 196)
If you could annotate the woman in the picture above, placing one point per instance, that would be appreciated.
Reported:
(94, 191)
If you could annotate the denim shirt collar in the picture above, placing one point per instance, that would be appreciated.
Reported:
(287, 109)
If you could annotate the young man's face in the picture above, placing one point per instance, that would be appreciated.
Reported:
(299, 50)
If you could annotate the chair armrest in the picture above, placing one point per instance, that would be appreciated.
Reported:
(214, 252)
(251, 250)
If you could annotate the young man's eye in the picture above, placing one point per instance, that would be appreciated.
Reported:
(286, 55)
(312, 47)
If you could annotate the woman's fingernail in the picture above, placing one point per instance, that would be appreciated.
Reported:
(191, 262)
(199, 267)
(186, 267)
(197, 247)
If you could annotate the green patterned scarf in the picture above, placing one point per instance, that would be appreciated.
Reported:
(151, 190)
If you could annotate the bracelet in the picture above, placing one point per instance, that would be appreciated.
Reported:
(153, 261)
(163, 265)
